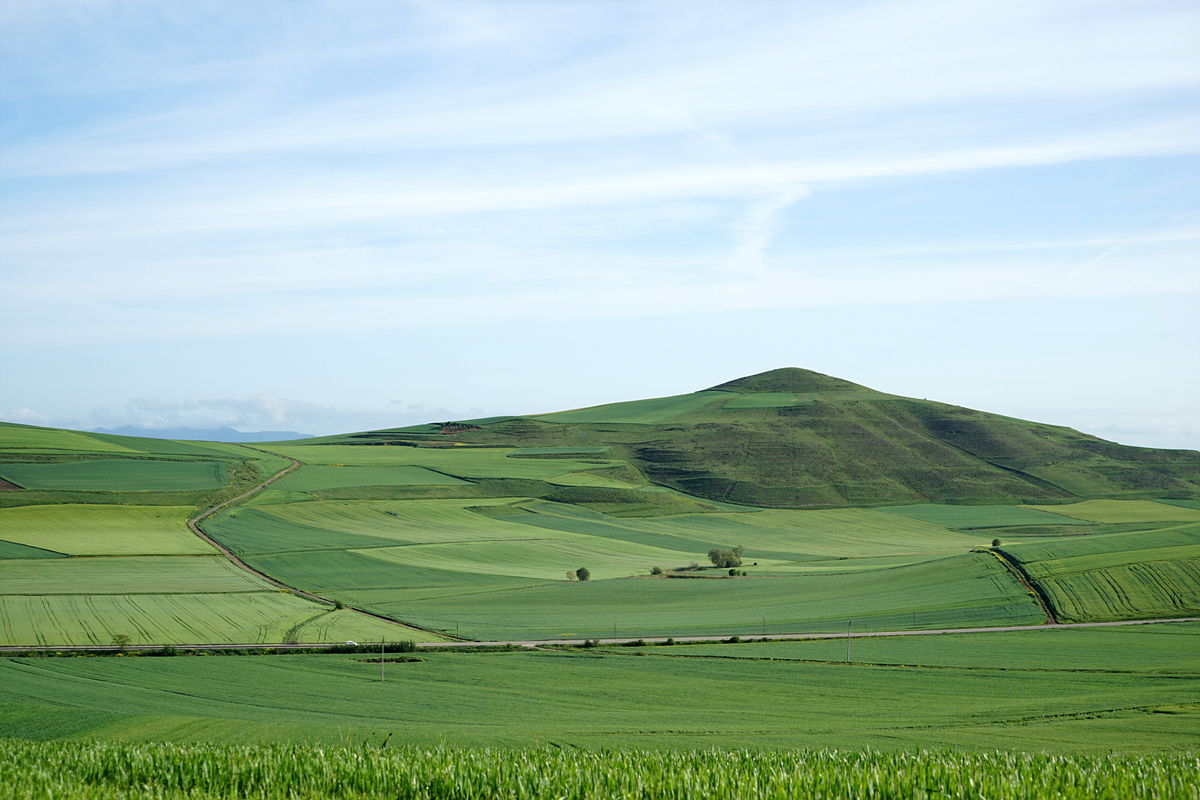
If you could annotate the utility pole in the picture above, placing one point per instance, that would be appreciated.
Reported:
(381, 660)
(849, 622)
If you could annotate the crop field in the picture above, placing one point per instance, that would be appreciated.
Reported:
(14, 550)
(1115, 511)
(118, 475)
(62, 770)
(975, 693)
(23, 438)
(984, 516)
(126, 575)
(87, 530)
(1137, 575)
(973, 590)
(319, 476)
(255, 617)
(1168, 647)
(432, 562)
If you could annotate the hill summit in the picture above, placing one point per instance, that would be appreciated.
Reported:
(788, 379)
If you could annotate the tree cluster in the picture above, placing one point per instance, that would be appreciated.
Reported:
(726, 558)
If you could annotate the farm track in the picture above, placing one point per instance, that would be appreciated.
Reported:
(539, 643)
(193, 524)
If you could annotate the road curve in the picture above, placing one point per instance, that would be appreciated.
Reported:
(193, 524)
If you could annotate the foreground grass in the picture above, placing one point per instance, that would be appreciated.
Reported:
(93, 770)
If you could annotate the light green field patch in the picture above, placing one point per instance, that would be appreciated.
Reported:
(185, 619)
(126, 575)
(542, 559)
(641, 412)
(462, 462)
(47, 440)
(94, 530)
(317, 477)
(848, 532)
(118, 475)
(1117, 511)
(981, 516)
(589, 479)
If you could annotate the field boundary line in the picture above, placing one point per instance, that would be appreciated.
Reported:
(1029, 583)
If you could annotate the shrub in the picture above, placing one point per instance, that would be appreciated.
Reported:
(656, 570)
(339, 605)
(582, 573)
(995, 542)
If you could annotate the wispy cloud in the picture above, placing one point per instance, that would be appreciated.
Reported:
(215, 171)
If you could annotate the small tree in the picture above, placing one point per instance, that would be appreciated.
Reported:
(571, 575)
(121, 641)
(582, 573)
(995, 542)
(656, 570)
(726, 558)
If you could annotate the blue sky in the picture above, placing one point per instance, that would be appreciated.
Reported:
(335, 216)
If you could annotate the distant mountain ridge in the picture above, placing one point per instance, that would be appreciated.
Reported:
(204, 434)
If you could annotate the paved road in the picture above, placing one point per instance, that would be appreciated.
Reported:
(533, 643)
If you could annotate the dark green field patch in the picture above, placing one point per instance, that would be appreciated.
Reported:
(118, 475)
(249, 530)
(979, 516)
(552, 452)
(15, 550)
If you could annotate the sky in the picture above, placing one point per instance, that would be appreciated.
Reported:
(338, 216)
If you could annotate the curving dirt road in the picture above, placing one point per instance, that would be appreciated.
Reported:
(193, 524)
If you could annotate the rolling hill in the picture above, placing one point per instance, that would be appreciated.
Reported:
(793, 438)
